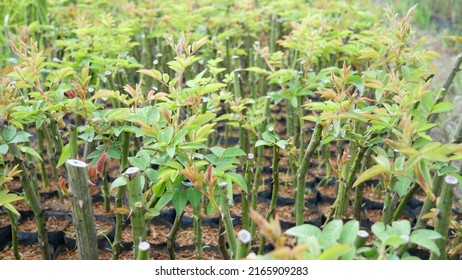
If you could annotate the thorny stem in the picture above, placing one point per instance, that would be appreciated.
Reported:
(342, 196)
(274, 194)
(447, 84)
(222, 240)
(198, 230)
(116, 246)
(226, 217)
(437, 182)
(82, 212)
(258, 168)
(443, 215)
(105, 189)
(409, 194)
(14, 234)
(245, 195)
(172, 235)
(275, 188)
(301, 173)
(33, 199)
(136, 206)
(40, 150)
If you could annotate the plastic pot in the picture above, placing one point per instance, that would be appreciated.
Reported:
(102, 240)
(55, 237)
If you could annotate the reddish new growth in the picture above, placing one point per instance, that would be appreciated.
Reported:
(95, 172)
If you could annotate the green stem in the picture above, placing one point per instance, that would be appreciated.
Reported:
(255, 187)
(243, 237)
(357, 204)
(222, 240)
(136, 206)
(447, 84)
(106, 193)
(443, 216)
(274, 194)
(116, 245)
(51, 153)
(14, 234)
(360, 239)
(226, 216)
(275, 189)
(301, 173)
(40, 150)
(258, 168)
(33, 199)
(82, 212)
(172, 235)
(73, 147)
(345, 189)
(437, 182)
(197, 226)
(410, 193)
(143, 251)
(245, 195)
(125, 150)
(428, 203)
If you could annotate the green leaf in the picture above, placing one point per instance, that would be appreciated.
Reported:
(211, 88)
(151, 174)
(424, 238)
(12, 209)
(120, 181)
(379, 230)
(6, 197)
(217, 151)
(175, 165)
(442, 107)
(20, 137)
(119, 114)
(281, 144)
(194, 196)
(164, 200)
(170, 152)
(179, 137)
(238, 180)
(304, 230)
(331, 233)
(3, 149)
(402, 185)
(233, 152)
(427, 102)
(382, 160)
(447, 169)
(151, 213)
(370, 173)
(167, 135)
(270, 137)
(195, 122)
(179, 200)
(65, 155)
(8, 133)
(192, 146)
(30, 151)
(204, 132)
(394, 240)
(262, 143)
(114, 153)
(335, 252)
(142, 160)
(349, 232)
(257, 70)
(155, 74)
